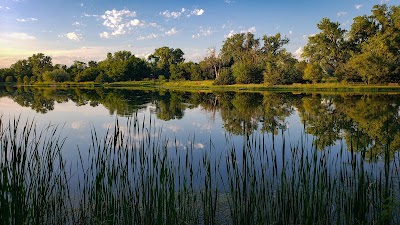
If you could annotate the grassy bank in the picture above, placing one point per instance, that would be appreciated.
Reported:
(129, 176)
(208, 85)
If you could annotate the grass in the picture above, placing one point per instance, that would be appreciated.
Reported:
(130, 176)
(208, 85)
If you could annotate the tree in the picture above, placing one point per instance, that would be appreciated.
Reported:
(211, 64)
(163, 58)
(58, 75)
(89, 74)
(40, 64)
(328, 48)
(22, 68)
(123, 66)
(313, 72)
(225, 77)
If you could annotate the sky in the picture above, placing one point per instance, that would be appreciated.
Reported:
(84, 30)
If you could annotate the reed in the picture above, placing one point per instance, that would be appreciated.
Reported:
(131, 176)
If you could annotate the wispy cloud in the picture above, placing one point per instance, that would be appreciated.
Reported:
(340, 14)
(183, 12)
(89, 15)
(27, 19)
(358, 6)
(4, 7)
(173, 15)
(18, 36)
(172, 31)
(203, 33)
(150, 36)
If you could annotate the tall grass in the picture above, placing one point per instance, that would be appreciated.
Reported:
(131, 176)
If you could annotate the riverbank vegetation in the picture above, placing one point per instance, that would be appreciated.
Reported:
(129, 176)
(368, 53)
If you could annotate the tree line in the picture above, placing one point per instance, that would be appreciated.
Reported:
(369, 52)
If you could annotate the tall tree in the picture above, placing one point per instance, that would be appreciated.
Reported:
(328, 47)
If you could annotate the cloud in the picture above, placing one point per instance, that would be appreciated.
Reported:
(150, 36)
(18, 36)
(197, 12)
(233, 32)
(120, 22)
(358, 6)
(177, 14)
(298, 52)
(229, 1)
(137, 22)
(172, 31)
(340, 14)
(104, 34)
(198, 146)
(76, 125)
(203, 33)
(172, 15)
(88, 15)
(4, 7)
(74, 36)
(27, 20)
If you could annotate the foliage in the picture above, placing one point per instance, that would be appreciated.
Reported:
(225, 77)
(313, 72)
(58, 75)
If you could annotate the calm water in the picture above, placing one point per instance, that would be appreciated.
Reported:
(205, 120)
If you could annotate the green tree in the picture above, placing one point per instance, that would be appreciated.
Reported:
(22, 68)
(163, 58)
(40, 63)
(58, 75)
(225, 77)
(328, 48)
(313, 72)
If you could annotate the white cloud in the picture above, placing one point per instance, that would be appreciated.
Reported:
(252, 30)
(4, 7)
(340, 14)
(74, 36)
(177, 14)
(137, 22)
(88, 15)
(172, 15)
(150, 36)
(19, 36)
(233, 32)
(202, 33)
(197, 12)
(298, 52)
(120, 22)
(358, 6)
(172, 31)
(198, 146)
(27, 19)
(105, 35)
(76, 125)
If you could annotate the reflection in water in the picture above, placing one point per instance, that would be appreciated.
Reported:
(365, 121)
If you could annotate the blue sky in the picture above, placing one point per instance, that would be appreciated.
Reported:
(87, 29)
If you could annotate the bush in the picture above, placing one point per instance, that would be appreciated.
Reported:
(9, 79)
(225, 77)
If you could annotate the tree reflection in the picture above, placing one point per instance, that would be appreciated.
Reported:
(369, 123)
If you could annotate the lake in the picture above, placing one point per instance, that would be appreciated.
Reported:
(323, 146)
